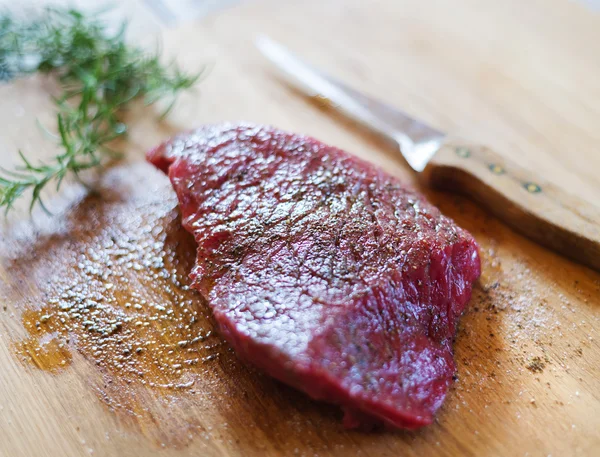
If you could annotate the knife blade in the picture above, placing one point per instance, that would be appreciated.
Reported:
(531, 205)
(416, 141)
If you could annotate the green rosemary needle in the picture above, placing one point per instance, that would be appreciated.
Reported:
(99, 74)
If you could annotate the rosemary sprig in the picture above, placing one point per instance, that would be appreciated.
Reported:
(99, 74)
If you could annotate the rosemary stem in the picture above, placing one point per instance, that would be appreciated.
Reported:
(99, 74)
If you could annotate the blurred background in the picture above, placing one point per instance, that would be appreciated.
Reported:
(522, 77)
(179, 10)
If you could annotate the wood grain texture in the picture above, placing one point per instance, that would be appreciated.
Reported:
(523, 77)
(531, 205)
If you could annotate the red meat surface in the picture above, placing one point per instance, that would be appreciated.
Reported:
(322, 269)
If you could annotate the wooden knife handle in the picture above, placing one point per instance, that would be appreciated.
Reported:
(539, 210)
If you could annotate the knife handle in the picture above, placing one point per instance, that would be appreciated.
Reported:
(538, 209)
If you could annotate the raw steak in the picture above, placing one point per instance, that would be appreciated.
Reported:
(322, 269)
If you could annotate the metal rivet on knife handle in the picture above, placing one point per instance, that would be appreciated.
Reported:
(532, 188)
(497, 169)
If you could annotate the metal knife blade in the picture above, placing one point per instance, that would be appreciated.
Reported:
(416, 141)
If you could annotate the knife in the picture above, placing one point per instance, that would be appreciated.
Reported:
(534, 207)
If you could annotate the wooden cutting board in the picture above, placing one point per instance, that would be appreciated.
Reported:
(105, 352)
